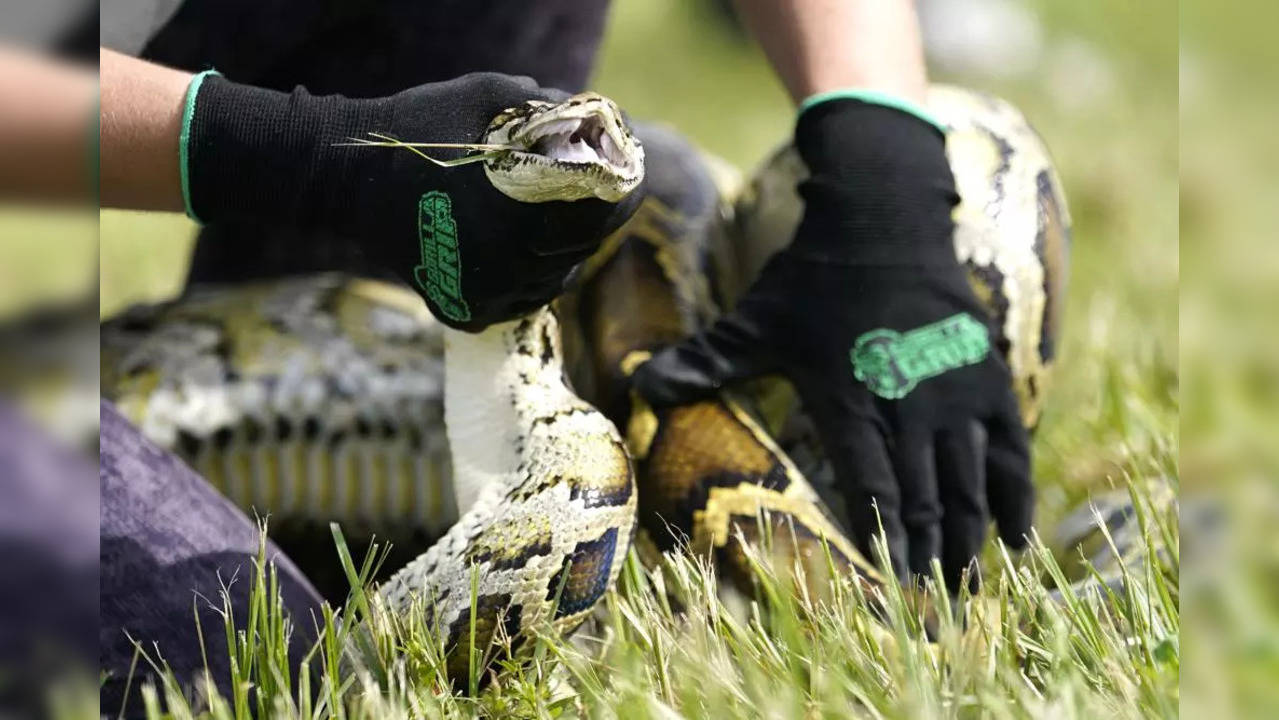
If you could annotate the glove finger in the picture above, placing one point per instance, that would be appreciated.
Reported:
(915, 467)
(524, 82)
(579, 226)
(961, 476)
(864, 473)
(1010, 491)
(520, 307)
(529, 296)
(573, 279)
(549, 276)
(734, 348)
(550, 94)
(560, 226)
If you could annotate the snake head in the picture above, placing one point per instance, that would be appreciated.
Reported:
(579, 148)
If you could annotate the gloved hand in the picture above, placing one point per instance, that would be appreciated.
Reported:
(476, 255)
(870, 315)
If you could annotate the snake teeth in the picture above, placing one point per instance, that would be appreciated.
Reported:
(581, 141)
(576, 149)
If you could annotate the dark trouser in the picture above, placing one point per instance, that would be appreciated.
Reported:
(169, 543)
(48, 568)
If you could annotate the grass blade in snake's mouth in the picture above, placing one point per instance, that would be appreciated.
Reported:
(583, 132)
(484, 150)
(573, 140)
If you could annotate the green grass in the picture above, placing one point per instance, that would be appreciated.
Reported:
(665, 644)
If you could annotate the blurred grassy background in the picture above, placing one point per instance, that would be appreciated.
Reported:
(1230, 352)
(46, 256)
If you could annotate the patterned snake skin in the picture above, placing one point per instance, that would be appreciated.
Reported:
(324, 397)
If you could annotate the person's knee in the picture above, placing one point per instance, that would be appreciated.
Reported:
(173, 553)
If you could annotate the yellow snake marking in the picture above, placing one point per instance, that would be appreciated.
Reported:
(320, 466)
(210, 467)
(641, 428)
(240, 470)
(401, 499)
(511, 544)
(267, 476)
(293, 463)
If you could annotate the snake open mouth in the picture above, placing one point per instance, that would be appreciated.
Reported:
(586, 140)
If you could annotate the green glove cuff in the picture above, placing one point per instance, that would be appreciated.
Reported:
(874, 97)
(188, 110)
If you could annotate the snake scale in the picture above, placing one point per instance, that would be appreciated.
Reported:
(331, 397)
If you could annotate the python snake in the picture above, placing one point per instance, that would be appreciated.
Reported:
(323, 396)
(544, 485)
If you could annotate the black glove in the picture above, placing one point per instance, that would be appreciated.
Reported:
(870, 315)
(476, 255)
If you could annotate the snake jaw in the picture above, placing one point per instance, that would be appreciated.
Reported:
(586, 140)
(567, 151)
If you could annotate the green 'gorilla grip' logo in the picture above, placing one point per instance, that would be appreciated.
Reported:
(440, 272)
(892, 363)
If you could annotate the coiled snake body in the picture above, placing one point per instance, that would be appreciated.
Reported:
(322, 397)
(549, 500)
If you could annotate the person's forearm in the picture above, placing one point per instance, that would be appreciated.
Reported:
(46, 126)
(822, 45)
(141, 122)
